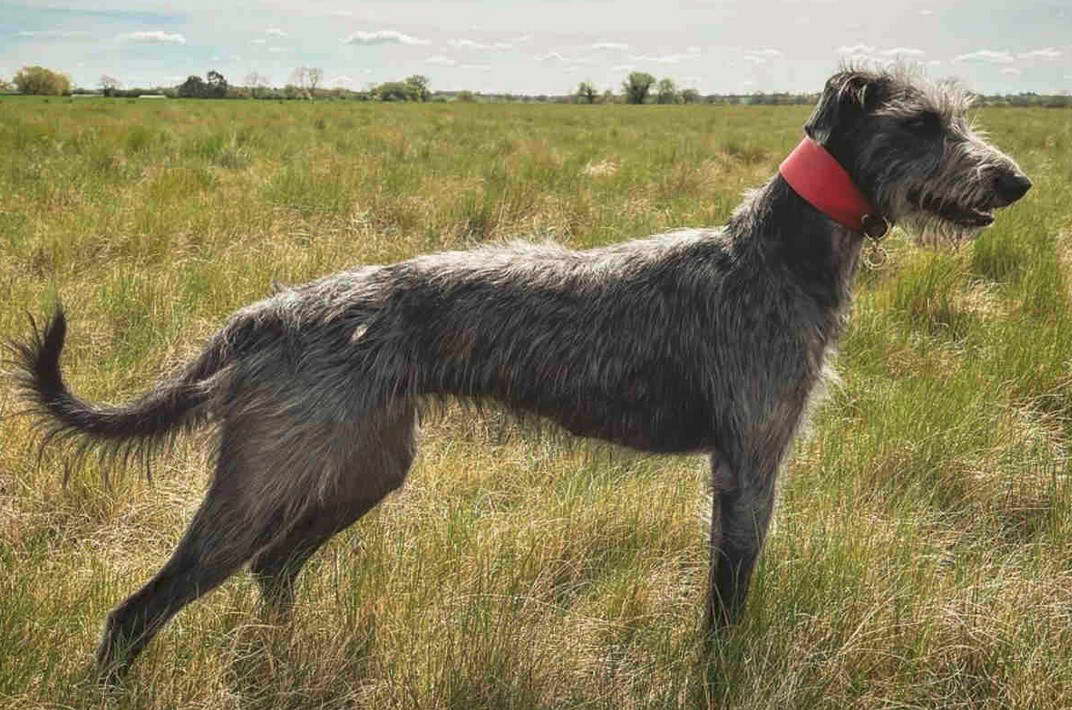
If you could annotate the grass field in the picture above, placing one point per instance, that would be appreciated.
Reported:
(922, 550)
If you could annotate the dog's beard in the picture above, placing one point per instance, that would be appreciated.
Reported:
(932, 230)
(938, 221)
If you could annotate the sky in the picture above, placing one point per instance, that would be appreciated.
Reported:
(546, 47)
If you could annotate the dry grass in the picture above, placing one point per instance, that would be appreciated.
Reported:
(922, 554)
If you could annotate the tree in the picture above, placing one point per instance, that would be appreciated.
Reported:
(298, 78)
(197, 88)
(666, 91)
(465, 96)
(108, 84)
(216, 88)
(418, 84)
(314, 75)
(5, 85)
(41, 81)
(691, 96)
(192, 88)
(636, 87)
(307, 79)
(608, 97)
(586, 93)
(256, 83)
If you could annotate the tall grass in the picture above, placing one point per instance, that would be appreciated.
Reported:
(922, 550)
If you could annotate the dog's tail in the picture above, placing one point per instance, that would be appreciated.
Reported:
(175, 404)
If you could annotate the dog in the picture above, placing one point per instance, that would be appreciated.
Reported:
(705, 341)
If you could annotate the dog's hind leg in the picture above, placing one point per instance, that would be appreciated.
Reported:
(271, 465)
(210, 551)
(375, 464)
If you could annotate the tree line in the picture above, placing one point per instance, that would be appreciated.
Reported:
(307, 83)
(638, 88)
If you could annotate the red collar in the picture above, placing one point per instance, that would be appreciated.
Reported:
(817, 177)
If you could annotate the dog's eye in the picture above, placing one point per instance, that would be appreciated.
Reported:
(925, 123)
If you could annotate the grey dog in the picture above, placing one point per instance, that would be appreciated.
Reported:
(696, 341)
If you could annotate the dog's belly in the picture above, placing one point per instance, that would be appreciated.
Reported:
(657, 414)
(675, 427)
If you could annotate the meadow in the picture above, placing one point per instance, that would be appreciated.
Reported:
(922, 551)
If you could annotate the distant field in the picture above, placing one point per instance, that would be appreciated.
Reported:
(922, 550)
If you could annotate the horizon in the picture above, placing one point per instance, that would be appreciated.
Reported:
(521, 47)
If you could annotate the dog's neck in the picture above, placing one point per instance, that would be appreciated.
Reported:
(787, 232)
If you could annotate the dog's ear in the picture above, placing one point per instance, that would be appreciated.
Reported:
(847, 94)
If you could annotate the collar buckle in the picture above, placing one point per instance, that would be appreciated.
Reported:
(875, 226)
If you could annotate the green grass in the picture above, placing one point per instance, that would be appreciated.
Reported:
(922, 550)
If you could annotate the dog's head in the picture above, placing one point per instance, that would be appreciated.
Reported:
(910, 148)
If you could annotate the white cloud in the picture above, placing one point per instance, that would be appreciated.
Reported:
(761, 56)
(55, 34)
(1010, 71)
(153, 37)
(1047, 53)
(662, 59)
(341, 80)
(275, 32)
(440, 60)
(551, 56)
(926, 13)
(480, 46)
(259, 41)
(382, 37)
(623, 67)
(902, 52)
(340, 13)
(856, 49)
(277, 50)
(611, 46)
(985, 55)
(475, 67)
(692, 50)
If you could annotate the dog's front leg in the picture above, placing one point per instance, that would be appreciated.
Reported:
(740, 515)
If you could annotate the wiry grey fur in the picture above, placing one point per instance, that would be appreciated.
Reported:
(708, 341)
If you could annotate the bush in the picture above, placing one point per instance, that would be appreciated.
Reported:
(396, 91)
(42, 82)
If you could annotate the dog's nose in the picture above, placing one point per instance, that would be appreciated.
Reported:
(1012, 186)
